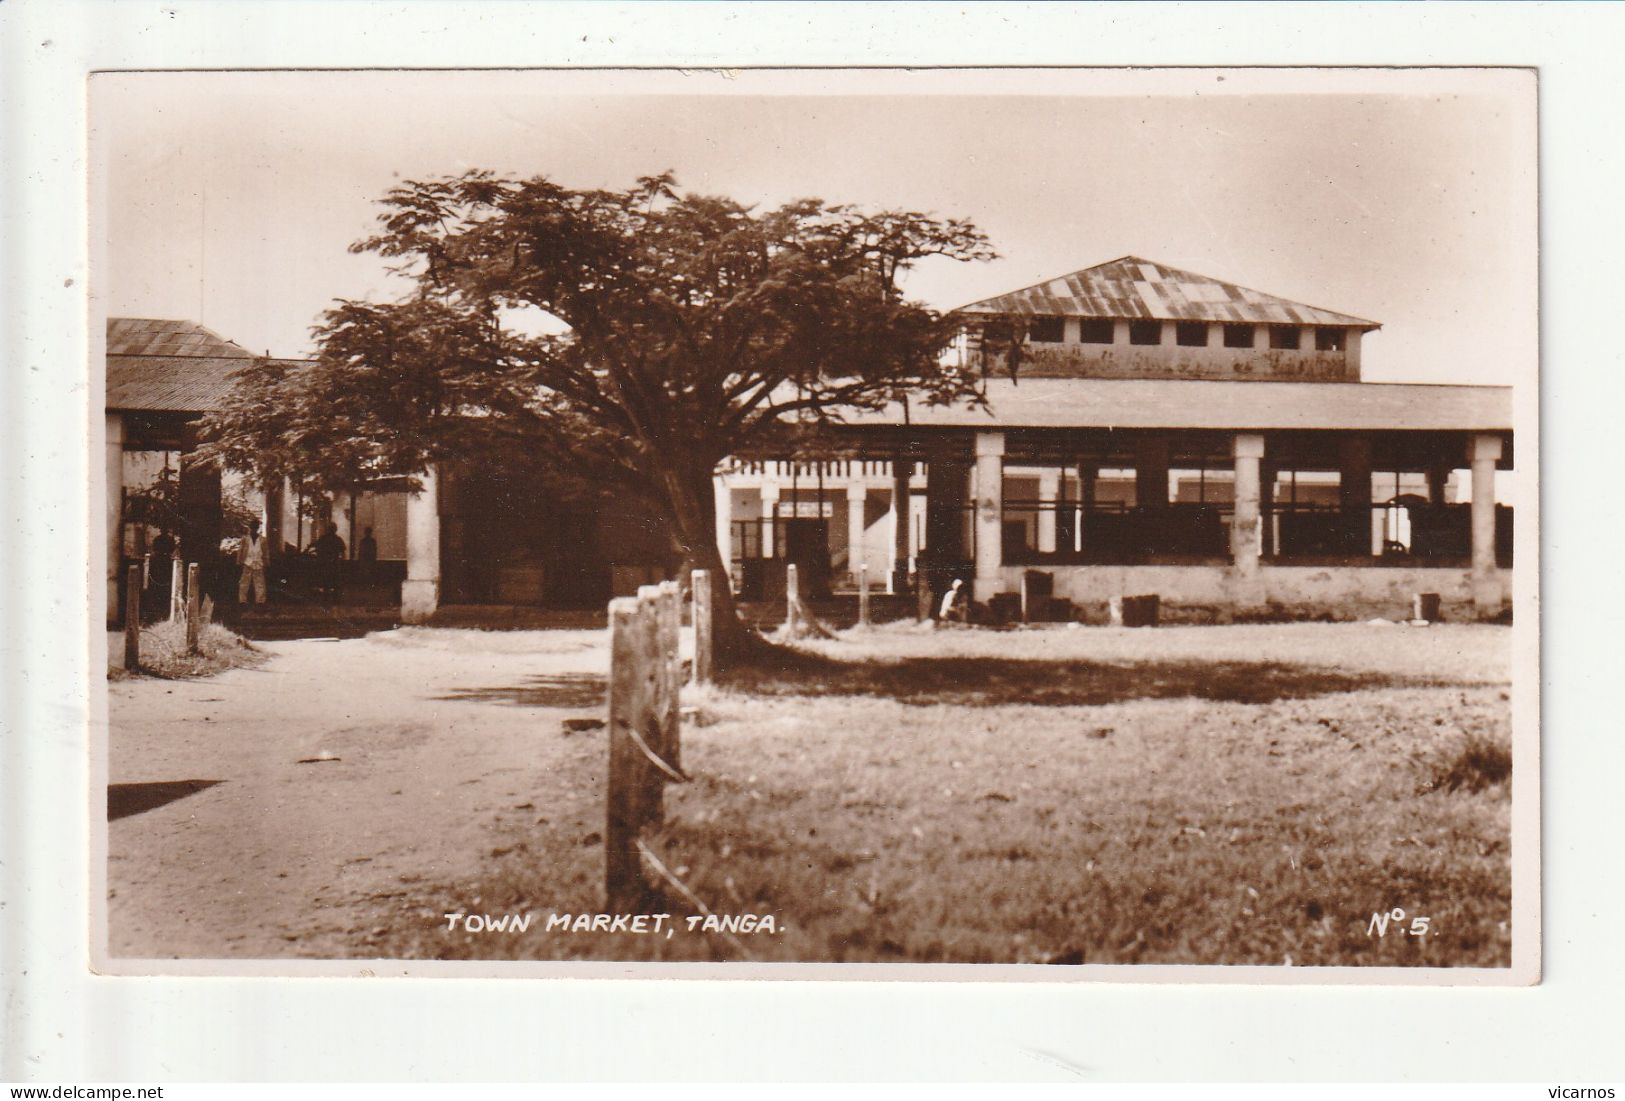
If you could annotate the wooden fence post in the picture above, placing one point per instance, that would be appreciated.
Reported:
(191, 608)
(132, 619)
(628, 704)
(792, 600)
(669, 618)
(863, 595)
(702, 626)
(922, 595)
(177, 590)
(644, 686)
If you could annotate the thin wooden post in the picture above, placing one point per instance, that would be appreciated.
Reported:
(669, 616)
(628, 705)
(792, 600)
(922, 596)
(177, 590)
(192, 608)
(132, 619)
(702, 626)
(863, 595)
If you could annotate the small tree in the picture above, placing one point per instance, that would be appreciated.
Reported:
(696, 328)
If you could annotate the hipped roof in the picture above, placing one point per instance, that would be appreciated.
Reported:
(1132, 288)
(157, 365)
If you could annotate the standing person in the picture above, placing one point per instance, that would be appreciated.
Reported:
(163, 548)
(329, 552)
(162, 555)
(251, 557)
(367, 551)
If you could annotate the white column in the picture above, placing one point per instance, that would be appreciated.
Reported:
(1049, 489)
(722, 495)
(420, 592)
(271, 516)
(1484, 453)
(856, 494)
(115, 500)
(770, 508)
(916, 526)
(1087, 473)
(1248, 449)
(897, 531)
(989, 514)
(288, 520)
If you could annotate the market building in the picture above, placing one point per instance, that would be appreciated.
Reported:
(1153, 431)
(1146, 431)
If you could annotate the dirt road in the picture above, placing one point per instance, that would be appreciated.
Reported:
(267, 812)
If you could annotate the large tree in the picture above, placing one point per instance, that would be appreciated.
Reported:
(693, 327)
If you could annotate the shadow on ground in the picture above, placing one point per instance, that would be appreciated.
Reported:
(568, 690)
(124, 800)
(994, 682)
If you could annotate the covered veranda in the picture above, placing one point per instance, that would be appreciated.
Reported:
(1312, 498)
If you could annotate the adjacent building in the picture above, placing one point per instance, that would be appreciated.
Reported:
(162, 376)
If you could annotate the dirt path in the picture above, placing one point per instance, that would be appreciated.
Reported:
(222, 844)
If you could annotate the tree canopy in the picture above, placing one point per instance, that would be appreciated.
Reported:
(693, 327)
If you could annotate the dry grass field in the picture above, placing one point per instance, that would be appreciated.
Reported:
(1243, 794)
(163, 651)
(1212, 795)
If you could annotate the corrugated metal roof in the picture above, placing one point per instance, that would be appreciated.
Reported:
(1133, 288)
(145, 336)
(169, 366)
(174, 384)
(1216, 404)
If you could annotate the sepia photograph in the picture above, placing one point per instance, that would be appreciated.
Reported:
(1020, 524)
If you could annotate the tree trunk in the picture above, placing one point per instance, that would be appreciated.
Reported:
(693, 509)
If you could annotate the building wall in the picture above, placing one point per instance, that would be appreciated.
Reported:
(1339, 592)
(1072, 358)
(385, 514)
(876, 552)
(1174, 361)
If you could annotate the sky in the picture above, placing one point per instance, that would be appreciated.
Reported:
(1405, 198)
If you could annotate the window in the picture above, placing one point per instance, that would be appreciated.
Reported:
(1284, 337)
(1096, 330)
(1191, 334)
(1330, 340)
(996, 336)
(1238, 336)
(1145, 332)
(1046, 330)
